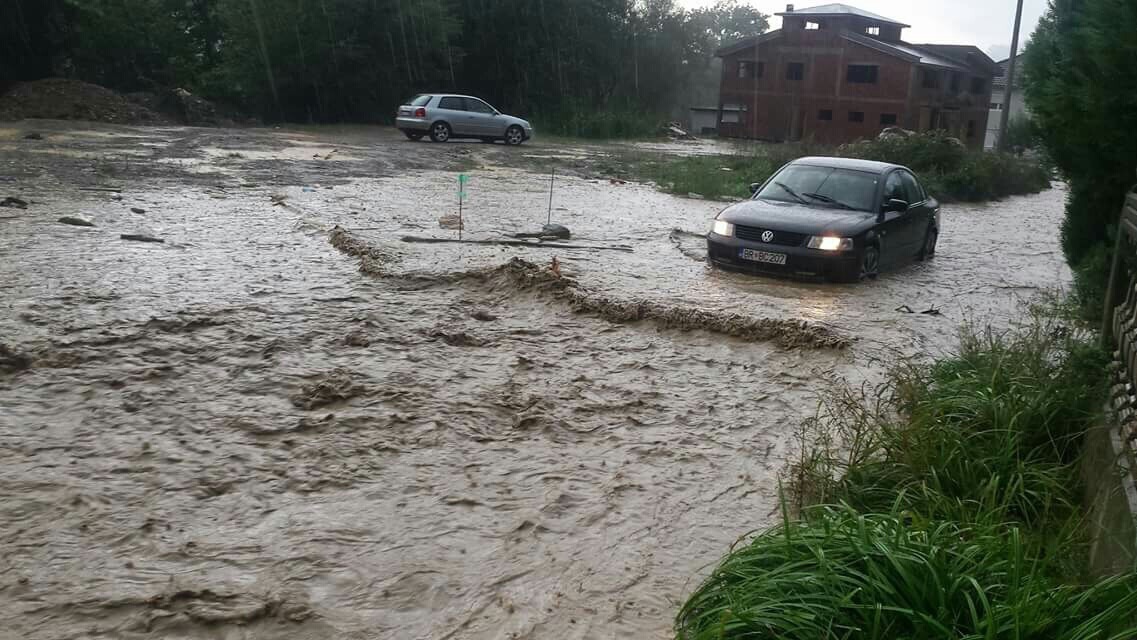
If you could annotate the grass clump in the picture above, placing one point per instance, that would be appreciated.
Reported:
(956, 512)
(611, 124)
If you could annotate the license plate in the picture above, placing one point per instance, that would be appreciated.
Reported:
(762, 256)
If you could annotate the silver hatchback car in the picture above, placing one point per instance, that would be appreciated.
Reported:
(444, 116)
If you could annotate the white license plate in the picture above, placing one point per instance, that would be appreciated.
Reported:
(762, 256)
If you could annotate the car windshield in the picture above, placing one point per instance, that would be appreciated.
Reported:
(823, 186)
(419, 101)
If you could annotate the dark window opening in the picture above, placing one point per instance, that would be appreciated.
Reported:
(750, 70)
(931, 79)
(862, 73)
(825, 114)
(970, 128)
(856, 116)
(795, 71)
(978, 86)
(888, 118)
(955, 83)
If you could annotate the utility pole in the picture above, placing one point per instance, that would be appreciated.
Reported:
(1009, 90)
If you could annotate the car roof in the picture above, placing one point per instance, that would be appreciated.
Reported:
(450, 95)
(855, 164)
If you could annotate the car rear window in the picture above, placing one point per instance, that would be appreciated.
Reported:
(854, 188)
(419, 100)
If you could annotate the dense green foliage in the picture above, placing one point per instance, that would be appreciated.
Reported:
(949, 171)
(1081, 87)
(333, 60)
(957, 515)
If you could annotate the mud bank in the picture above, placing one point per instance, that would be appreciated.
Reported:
(524, 276)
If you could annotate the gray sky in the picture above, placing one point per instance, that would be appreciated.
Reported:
(986, 24)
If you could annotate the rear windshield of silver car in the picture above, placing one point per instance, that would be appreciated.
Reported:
(420, 101)
(823, 186)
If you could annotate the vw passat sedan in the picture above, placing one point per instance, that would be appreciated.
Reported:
(837, 218)
(444, 117)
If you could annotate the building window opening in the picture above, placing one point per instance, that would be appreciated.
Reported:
(856, 116)
(862, 73)
(978, 86)
(795, 71)
(825, 114)
(888, 119)
(931, 79)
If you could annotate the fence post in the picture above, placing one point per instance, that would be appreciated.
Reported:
(1112, 286)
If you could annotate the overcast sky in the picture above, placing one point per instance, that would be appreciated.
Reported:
(986, 24)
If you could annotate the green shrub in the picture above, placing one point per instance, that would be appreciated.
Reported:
(616, 123)
(949, 171)
(839, 574)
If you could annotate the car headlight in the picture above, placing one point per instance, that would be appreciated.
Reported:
(830, 243)
(722, 228)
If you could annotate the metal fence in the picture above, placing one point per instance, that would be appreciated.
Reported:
(1119, 326)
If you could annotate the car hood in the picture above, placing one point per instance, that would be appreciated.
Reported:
(797, 218)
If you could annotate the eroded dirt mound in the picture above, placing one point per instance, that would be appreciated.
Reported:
(63, 99)
(522, 275)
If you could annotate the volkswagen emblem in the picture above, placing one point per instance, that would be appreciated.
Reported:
(767, 236)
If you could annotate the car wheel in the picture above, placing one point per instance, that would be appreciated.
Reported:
(870, 262)
(413, 135)
(928, 251)
(514, 135)
(440, 132)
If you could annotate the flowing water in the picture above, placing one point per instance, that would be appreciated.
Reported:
(249, 431)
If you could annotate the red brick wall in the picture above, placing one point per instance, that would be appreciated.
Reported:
(782, 109)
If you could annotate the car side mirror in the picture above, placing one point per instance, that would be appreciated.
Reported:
(895, 204)
(754, 187)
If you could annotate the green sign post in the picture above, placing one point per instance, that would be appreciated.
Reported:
(462, 180)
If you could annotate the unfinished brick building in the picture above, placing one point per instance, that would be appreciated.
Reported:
(835, 73)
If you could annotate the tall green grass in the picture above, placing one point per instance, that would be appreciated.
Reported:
(609, 124)
(957, 512)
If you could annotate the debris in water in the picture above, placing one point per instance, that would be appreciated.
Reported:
(548, 232)
(334, 386)
(140, 238)
(14, 203)
(371, 260)
(483, 316)
(555, 267)
(357, 338)
(78, 221)
(34, 136)
(137, 210)
(452, 222)
(457, 338)
(932, 311)
(905, 309)
(11, 361)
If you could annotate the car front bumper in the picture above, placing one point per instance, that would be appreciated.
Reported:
(412, 124)
(800, 261)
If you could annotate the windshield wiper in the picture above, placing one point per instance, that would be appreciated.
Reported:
(791, 192)
(828, 200)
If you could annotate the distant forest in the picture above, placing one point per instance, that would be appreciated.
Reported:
(356, 60)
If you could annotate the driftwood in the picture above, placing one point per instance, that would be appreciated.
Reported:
(140, 238)
(515, 243)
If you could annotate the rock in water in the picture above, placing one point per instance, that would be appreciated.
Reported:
(14, 203)
(555, 231)
(78, 221)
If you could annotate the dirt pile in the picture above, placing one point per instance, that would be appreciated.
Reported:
(522, 275)
(63, 99)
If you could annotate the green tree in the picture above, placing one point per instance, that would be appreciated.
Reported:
(1081, 87)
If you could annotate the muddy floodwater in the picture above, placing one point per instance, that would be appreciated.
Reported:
(267, 427)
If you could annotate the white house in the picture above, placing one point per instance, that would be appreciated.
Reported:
(1017, 105)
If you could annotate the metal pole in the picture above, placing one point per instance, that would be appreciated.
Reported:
(1009, 90)
(552, 177)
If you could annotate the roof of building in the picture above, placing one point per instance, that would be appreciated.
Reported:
(854, 164)
(840, 10)
(1000, 81)
(906, 51)
(748, 43)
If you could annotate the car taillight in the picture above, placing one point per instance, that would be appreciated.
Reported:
(420, 113)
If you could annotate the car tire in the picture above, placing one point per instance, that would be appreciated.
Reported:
(928, 249)
(870, 262)
(440, 132)
(514, 135)
(413, 135)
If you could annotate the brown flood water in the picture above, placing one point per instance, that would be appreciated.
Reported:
(239, 434)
